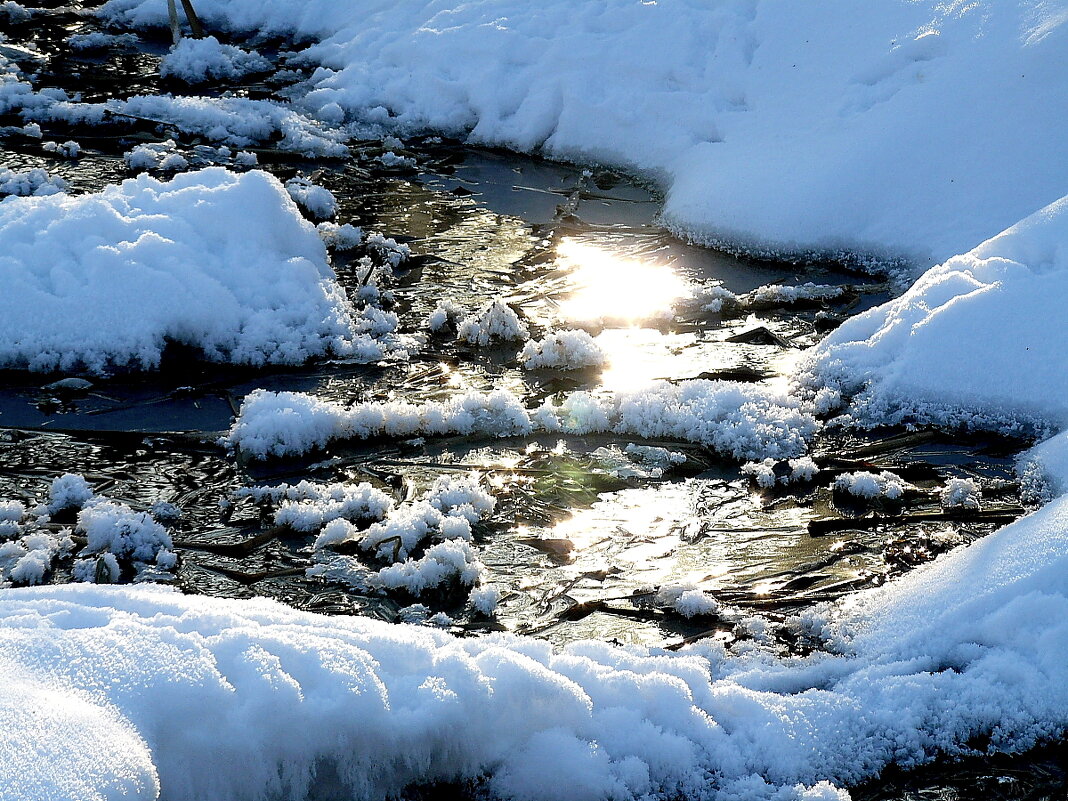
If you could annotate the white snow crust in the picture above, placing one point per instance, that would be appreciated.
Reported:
(219, 261)
(915, 129)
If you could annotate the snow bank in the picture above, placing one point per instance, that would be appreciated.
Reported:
(973, 342)
(741, 421)
(915, 129)
(219, 261)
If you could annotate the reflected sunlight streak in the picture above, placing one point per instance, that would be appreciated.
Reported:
(613, 288)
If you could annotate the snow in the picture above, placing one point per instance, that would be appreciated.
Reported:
(68, 491)
(285, 423)
(390, 705)
(562, 350)
(318, 201)
(915, 130)
(864, 484)
(961, 493)
(201, 60)
(211, 259)
(308, 507)
(69, 149)
(116, 528)
(969, 343)
(156, 156)
(741, 421)
(496, 322)
(35, 181)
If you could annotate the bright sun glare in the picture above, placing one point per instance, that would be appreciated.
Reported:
(613, 288)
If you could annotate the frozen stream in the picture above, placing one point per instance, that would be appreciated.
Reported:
(584, 532)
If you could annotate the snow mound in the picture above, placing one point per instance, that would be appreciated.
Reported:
(969, 343)
(218, 261)
(200, 60)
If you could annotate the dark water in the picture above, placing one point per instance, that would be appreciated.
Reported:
(485, 223)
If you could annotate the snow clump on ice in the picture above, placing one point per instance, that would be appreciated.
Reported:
(495, 322)
(68, 150)
(156, 156)
(563, 350)
(769, 472)
(68, 491)
(200, 60)
(318, 201)
(962, 493)
(864, 484)
(215, 260)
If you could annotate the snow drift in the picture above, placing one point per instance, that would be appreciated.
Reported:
(975, 341)
(915, 129)
(215, 260)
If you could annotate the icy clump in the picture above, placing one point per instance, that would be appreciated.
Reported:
(391, 159)
(116, 528)
(769, 472)
(485, 600)
(320, 504)
(968, 344)
(68, 491)
(864, 484)
(234, 121)
(495, 322)
(962, 493)
(446, 316)
(98, 40)
(387, 250)
(687, 601)
(445, 511)
(68, 150)
(563, 350)
(200, 60)
(318, 201)
(11, 514)
(156, 156)
(448, 561)
(284, 423)
(102, 569)
(32, 130)
(340, 237)
(772, 295)
(215, 260)
(35, 181)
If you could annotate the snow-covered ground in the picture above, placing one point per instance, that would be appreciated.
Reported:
(915, 129)
(219, 261)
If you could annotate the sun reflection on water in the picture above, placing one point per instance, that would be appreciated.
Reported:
(614, 289)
